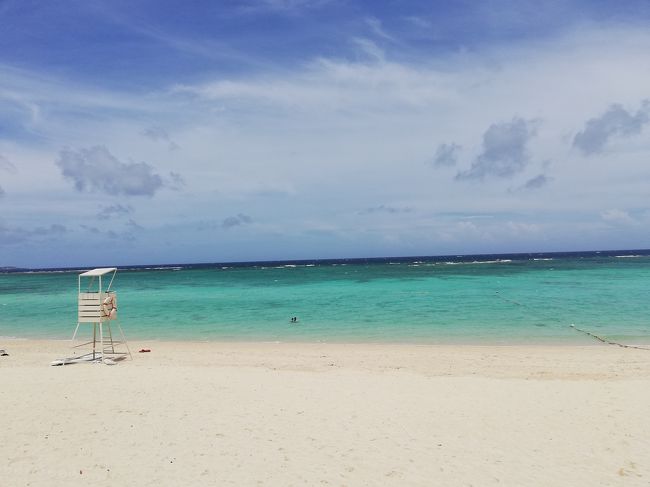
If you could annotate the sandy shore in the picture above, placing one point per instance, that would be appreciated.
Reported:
(323, 414)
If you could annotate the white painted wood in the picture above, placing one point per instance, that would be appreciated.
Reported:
(98, 272)
(93, 309)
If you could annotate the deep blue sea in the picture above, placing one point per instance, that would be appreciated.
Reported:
(519, 298)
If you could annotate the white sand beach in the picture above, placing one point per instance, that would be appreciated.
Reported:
(249, 414)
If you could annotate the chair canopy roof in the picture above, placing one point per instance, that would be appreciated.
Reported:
(98, 272)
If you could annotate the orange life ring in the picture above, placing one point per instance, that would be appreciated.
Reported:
(109, 307)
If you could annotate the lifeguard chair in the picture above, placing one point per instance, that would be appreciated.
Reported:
(98, 306)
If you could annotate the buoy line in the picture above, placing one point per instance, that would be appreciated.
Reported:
(604, 340)
(593, 335)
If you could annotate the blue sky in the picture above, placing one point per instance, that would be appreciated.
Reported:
(160, 132)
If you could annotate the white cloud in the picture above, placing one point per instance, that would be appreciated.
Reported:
(18, 235)
(157, 134)
(385, 209)
(418, 22)
(616, 121)
(112, 211)
(237, 220)
(333, 86)
(619, 217)
(7, 165)
(370, 49)
(309, 146)
(377, 28)
(537, 182)
(96, 168)
(519, 229)
(505, 150)
(446, 155)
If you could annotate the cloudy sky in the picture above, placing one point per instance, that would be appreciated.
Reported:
(160, 131)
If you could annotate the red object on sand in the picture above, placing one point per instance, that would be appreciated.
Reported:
(142, 350)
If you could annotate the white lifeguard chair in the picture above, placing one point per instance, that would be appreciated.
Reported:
(98, 306)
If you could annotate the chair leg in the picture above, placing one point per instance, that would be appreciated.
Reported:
(74, 335)
(101, 339)
(94, 338)
(124, 339)
(110, 336)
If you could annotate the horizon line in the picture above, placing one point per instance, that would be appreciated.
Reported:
(253, 263)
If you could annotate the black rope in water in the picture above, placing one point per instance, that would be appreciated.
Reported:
(532, 310)
(604, 340)
(510, 300)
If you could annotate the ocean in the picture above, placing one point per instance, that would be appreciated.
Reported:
(481, 299)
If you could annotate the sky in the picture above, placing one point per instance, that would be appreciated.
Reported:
(156, 131)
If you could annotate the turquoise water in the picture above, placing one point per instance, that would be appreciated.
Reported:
(518, 301)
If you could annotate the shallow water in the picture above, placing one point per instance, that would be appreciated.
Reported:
(469, 300)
